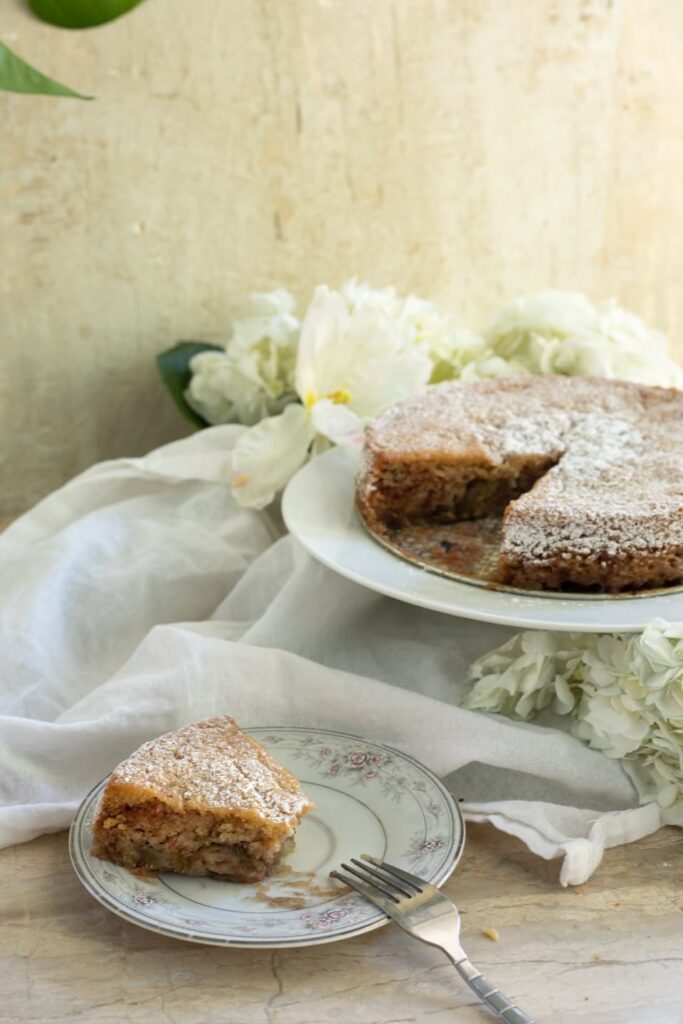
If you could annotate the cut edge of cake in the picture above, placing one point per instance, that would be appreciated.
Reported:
(453, 453)
(206, 799)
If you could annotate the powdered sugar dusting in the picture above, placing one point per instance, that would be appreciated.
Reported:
(617, 484)
(214, 765)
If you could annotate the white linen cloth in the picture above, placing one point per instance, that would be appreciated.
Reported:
(141, 597)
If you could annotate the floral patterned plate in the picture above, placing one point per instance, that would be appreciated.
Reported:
(369, 799)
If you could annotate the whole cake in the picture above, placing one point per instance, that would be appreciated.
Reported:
(587, 472)
(204, 800)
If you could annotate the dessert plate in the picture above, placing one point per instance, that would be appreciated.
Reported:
(369, 799)
(318, 509)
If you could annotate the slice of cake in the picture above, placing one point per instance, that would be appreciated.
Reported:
(205, 800)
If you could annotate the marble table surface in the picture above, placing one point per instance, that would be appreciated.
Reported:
(607, 951)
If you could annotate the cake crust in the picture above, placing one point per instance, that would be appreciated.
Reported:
(588, 474)
(203, 800)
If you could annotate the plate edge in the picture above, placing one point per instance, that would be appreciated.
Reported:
(438, 880)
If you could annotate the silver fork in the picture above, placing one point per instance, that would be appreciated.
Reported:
(424, 912)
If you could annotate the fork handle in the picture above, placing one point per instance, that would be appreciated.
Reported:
(503, 1008)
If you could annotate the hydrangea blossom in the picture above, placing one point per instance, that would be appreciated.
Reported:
(624, 695)
(254, 376)
(564, 333)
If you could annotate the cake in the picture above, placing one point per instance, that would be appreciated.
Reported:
(587, 474)
(205, 800)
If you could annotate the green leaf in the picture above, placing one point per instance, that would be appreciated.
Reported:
(18, 76)
(174, 367)
(80, 13)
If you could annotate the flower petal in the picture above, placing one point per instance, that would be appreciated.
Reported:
(210, 387)
(362, 354)
(338, 423)
(563, 332)
(267, 456)
(374, 366)
(324, 327)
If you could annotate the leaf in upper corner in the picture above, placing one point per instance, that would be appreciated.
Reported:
(18, 76)
(80, 13)
(174, 367)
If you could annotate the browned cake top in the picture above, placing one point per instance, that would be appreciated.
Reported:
(619, 446)
(527, 414)
(213, 765)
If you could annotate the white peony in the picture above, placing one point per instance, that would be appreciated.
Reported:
(450, 348)
(351, 364)
(624, 695)
(254, 377)
(564, 333)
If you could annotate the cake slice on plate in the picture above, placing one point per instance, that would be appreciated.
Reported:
(204, 800)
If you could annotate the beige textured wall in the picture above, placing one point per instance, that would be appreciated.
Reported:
(468, 150)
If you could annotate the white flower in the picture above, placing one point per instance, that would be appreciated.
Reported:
(636, 351)
(624, 695)
(212, 390)
(268, 454)
(547, 315)
(608, 668)
(612, 723)
(525, 675)
(658, 655)
(564, 333)
(271, 316)
(351, 364)
(254, 377)
(450, 348)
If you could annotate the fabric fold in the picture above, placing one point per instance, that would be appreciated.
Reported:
(141, 597)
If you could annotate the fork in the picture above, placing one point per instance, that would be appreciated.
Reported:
(425, 913)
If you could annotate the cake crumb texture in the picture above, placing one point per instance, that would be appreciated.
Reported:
(588, 474)
(206, 799)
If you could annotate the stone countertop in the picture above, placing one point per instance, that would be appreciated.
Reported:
(605, 952)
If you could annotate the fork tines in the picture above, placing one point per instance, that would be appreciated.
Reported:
(384, 884)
